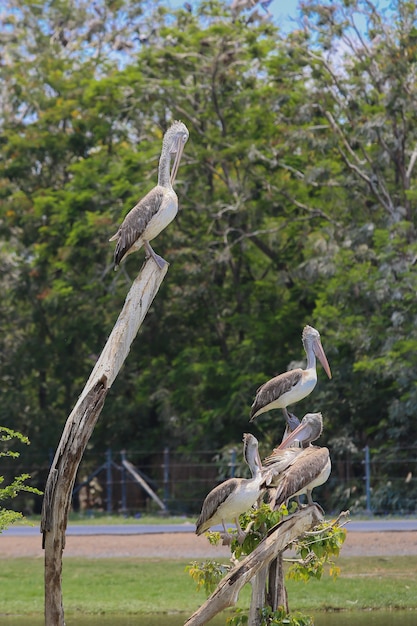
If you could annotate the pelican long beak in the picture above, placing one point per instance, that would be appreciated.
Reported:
(301, 433)
(319, 352)
(178, 155)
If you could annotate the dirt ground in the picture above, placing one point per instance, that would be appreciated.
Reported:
(189, 546)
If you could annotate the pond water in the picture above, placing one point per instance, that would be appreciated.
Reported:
(351, 618)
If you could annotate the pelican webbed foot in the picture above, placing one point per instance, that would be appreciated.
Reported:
(320, 508)
(226, 538)
(241, 536)
(150, 252)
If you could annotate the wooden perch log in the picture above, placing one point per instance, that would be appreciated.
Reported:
(78, 429)
(277, 541)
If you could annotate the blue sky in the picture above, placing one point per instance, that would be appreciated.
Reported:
(282, 10)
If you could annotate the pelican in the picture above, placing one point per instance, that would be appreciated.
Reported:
(295, 471)
(281, 457)
(234, 496)
(158, 208)
(291, 387)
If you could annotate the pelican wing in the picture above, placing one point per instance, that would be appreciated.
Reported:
(277, 462)
(274, 389)
(282, 458)
(213, 501)
(136, 222)
(305, 468)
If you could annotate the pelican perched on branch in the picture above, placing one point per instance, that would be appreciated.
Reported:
(294, 471)
(234, 496)
(159, 207)
(291, 387)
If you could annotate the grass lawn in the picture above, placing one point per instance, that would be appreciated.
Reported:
(123, 586)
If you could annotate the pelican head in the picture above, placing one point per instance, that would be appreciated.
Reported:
(312, 341)
(309, 430)
(174, 141)
(251, 453)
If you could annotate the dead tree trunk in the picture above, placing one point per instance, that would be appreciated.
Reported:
(78, 429)
(256, 563)
(257, 602)
(277, 592)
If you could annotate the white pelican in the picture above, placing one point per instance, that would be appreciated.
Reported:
(158, 208)
(234, 496)
(291, 387)
(295, 471)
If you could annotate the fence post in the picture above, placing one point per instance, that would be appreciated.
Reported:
(109, 482)
(124, 486)
(368, 479)
(166, 476)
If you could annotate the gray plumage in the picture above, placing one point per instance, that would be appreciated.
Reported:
(273, 389)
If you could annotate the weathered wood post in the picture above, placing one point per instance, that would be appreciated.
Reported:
(79, 427)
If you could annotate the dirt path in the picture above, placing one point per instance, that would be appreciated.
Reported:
(189, 546)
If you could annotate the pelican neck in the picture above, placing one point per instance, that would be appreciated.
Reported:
(164, 171)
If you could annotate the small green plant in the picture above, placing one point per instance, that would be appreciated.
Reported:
(272, 618)
(315, 550)
(7, 516)
(281, 618)
(239, 618)
(207, 574)
(257, 524)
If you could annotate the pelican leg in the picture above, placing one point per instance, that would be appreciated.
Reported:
(241, 535)
(312, 503)
(151, 253)
(291, 420)
(226, 537)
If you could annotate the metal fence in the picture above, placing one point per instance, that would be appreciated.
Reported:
(166, 481)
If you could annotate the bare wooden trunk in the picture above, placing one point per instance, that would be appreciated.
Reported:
(275, 543)
(78, 429)
(257, 601)
(277, 592)
(57, 498)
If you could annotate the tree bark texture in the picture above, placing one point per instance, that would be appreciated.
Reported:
(78, 429)
(257, 562)
(277, 592)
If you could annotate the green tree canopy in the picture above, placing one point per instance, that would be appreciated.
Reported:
(297, 205)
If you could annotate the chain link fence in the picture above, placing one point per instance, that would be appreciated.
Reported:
(164, 481)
